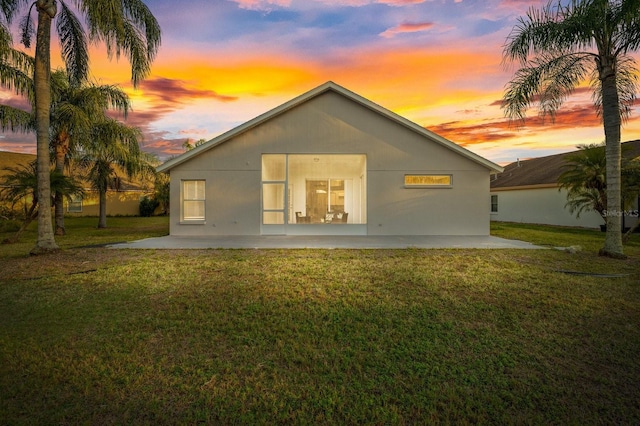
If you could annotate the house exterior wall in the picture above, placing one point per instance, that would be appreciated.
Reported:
(333, 124)
(119, 203)
(540, 206)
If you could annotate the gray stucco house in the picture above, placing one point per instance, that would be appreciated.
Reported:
(329, 162)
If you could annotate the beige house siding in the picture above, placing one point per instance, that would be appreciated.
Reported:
(541, 206)
(119, 203)
(331, 123)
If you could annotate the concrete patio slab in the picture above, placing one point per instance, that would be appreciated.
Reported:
(327, 242)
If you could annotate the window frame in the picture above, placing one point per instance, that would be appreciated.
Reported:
(427, 185)
(492, 210)
(75, 200)
(184, 199)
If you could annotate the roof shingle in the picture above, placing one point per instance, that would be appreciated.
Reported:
(542, 171)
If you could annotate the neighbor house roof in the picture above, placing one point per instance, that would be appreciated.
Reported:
(327, 87)
(542, 172)
(12, 160)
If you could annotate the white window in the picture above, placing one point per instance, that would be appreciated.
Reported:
(193, 199)
(494, 204)
(75, 204)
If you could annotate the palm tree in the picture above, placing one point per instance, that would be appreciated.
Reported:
(585, 180)
(126, 27)
(21, 184)
(557, 48)
(112, 144)
(74, 109)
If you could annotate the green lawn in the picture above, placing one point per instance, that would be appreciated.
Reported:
(92, 335)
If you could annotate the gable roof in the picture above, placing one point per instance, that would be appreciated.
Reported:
(327, 87)
(542, 172)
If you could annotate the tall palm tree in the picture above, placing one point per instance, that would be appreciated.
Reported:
(74, 110)
(126, 27)
(112, 144)
(557, 47)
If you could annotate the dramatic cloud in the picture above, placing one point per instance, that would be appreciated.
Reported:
(176, 91)
(465, 133)
(407, 27)
(435, 62)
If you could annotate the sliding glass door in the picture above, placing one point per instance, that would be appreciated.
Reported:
(321, 189)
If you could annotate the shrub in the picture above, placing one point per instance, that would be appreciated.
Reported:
(147, 206)
(9, 225)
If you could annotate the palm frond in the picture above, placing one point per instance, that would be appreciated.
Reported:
(8, 8)
(16, 80)
(626, 82)
(142, 16)
(27, 29)
(551, 28)
(74, 44)
(549, 79)
(19, 183)
(16, 67)
(15, 120)
(6, 39)
(584, 200)
(115, 98)
(126, 27)
(72, 118)
(22, 182)
(628, 16)
(134, 45)
(112, 143)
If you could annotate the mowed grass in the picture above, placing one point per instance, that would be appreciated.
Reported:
(92, 335)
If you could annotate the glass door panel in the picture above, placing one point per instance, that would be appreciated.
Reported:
(273, 203)
(336, 196)
(317, 200)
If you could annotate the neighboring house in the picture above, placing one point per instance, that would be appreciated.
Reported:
(329, 162)
(527, 192)
(123, 202)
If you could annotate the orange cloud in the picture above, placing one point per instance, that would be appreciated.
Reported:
(470, 133)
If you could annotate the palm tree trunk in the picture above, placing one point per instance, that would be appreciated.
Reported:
(46, 11)
(102, 222)
(62, 147)
(612, 122)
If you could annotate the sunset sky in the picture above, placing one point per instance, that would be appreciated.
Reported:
(435, 62)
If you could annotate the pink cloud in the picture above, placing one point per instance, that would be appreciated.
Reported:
(407, 27)
(401, 2)
(262, 4)
(365, 2)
